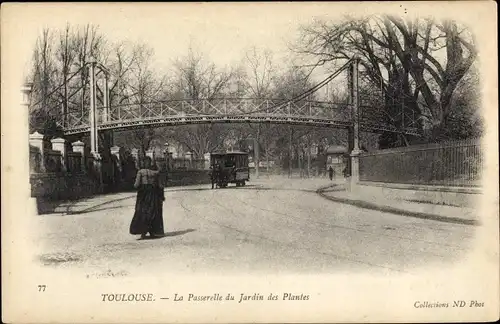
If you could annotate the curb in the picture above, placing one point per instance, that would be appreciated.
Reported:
(393, 210)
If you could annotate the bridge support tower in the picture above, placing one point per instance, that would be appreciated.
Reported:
(354, 130)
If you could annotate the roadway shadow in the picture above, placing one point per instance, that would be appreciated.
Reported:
(177, 233)
(167, 234)
(210, 188)
(48, 207)
(94, 210)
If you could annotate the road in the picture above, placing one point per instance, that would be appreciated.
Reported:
(270, 226)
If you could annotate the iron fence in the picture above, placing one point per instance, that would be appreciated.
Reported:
(453, 163)
(74, 162)
(53, 161)
(188, 164)
(35, 160)
(181, 163)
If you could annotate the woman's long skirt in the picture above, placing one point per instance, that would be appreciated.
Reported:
(148, 216)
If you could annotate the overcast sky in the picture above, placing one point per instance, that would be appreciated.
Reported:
(222, 31)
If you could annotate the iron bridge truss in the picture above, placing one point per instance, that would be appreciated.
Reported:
(241, 110)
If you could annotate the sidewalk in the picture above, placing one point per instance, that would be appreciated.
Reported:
(376, 201)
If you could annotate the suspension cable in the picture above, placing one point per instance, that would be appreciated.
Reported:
(307, 92)
(58, 87)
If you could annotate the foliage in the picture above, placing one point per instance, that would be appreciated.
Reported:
(421, 69)
(418, 63)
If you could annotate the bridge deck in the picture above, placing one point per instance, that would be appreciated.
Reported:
(181, 112)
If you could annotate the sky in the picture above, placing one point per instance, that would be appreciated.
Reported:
(221, 31)
(222, 34)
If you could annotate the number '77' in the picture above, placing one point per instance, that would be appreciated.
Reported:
(41, 287)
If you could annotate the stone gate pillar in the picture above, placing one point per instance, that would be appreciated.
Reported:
(206, 157)
(36, 140)
(79, 147)
(135, 155)
(59, 144)
(151, 155)
(97, 170)
(115, 151)
(117, 165)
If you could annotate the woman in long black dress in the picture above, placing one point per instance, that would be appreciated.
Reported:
(148, 216)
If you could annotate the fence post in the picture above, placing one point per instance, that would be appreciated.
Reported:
(189, 157)
(206, 157)
(115, 150)
(36, 140)
(79, 147)
(135, 155)
(59, 144)
(97, 166)
(151, 155)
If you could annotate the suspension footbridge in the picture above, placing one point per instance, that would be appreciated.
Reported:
(101, 115)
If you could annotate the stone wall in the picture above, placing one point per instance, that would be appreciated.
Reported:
(189, 177)
(53, 186)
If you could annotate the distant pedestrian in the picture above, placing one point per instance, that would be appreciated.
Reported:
(330, 173)
(148, 216)
(213, 176)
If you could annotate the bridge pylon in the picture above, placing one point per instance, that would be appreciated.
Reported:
(95, 68)
(353, 138)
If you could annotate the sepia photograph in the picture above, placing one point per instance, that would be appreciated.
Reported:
(250, 162)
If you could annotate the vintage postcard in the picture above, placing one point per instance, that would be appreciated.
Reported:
(249, 162)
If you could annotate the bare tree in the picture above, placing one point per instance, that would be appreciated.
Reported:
(200, 139)
(260, 82)
(88, 43)
(403, 57)
(45, 105)
(261, 72)
(196, 79)
(121, 60)
(146, 87)
(65, 56)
